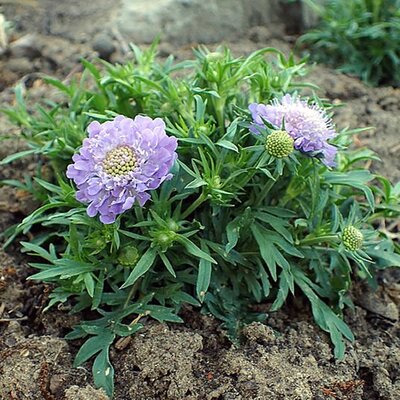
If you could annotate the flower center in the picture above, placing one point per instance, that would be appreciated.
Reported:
(279, 144)
(119, 161)
(352, 238)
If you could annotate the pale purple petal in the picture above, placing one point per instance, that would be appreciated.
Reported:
(110, 193)
(329, 153)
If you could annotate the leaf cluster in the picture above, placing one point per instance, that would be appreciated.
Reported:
(359, 37)
(234, 226)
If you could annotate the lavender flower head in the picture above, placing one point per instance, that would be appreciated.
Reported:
(120, 162)
(309, 125)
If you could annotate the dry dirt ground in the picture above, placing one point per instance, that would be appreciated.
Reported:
(289, 358)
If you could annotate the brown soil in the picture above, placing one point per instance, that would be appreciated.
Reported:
(288, 358)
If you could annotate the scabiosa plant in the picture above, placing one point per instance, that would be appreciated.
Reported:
(120, 162)
(309, 125)
(237, 219)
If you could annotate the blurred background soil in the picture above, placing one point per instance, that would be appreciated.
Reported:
(289, 358)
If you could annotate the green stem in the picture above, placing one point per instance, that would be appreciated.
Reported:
(318, 239)
(200, 200)
(290, 193)
(265, 192)
(131, 294)
(219, 105)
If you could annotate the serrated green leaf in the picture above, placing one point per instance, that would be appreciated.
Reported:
(126, 330)
(162, 314)
(324, 316)
(282, 293)
(266, 285)
(357, 179)
(76, 333)
(93, 345)
(384, 255)
(39, 251)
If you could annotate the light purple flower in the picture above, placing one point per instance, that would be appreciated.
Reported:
(309, 125)
(120, 162)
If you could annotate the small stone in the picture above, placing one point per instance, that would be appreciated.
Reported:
(21, 66)
(259, 34)
(25, 353)
(57, 382)
(85, 393)
(3, 35)
(10, 341)
(26, 46)
(378, 302)
(165, 49)
(103, 44)
(257, 332)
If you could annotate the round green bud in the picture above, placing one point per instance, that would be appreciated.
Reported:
(352, 238)
(167, 108)
(128, 256)
(216, 182)
(203, 129)
(164, 239)
(173, 226)
(279, 144)
(214, 56)
(99, 243)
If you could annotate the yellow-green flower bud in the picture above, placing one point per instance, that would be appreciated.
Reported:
(214, 56)
(164, 238)
(279, 144)
(167, 108)
(173, 226)
(203, 129)
(216, 182)
(352, 238)
(128, 256)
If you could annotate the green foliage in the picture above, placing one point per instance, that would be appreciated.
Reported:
(234, 227)
(360, 37)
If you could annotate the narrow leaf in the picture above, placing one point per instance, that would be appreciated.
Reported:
(203, 278)
(143, 265)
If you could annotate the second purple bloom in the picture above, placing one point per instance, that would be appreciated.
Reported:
(309, 125)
